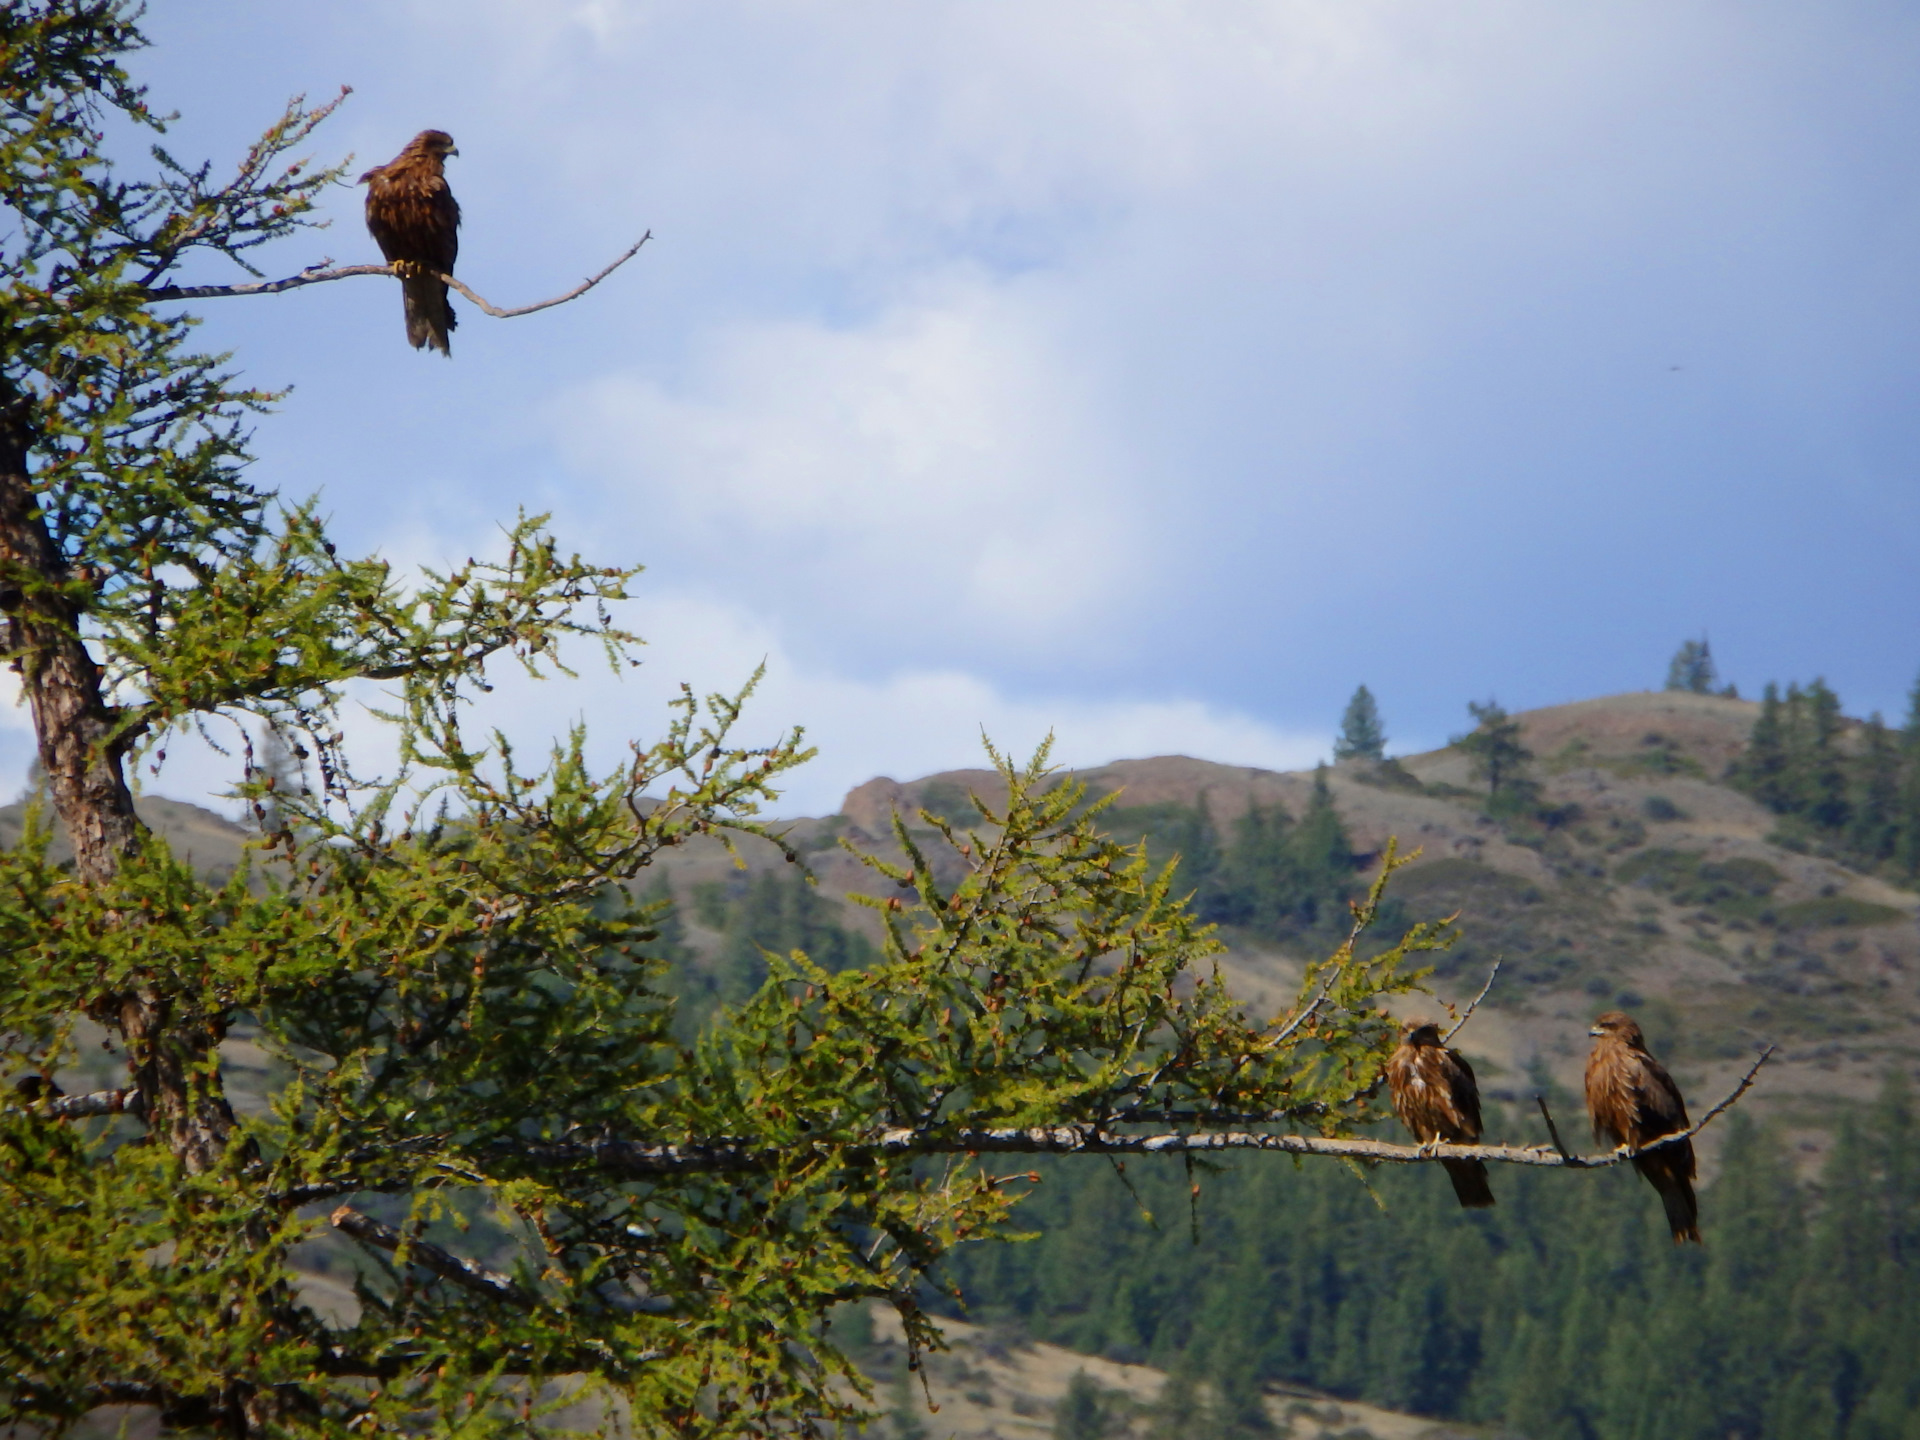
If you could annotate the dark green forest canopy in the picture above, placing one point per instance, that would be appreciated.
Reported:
(1273, 875)
(1842, 787)
(1563, 1314)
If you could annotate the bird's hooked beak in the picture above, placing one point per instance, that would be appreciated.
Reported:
(453, 150)
(1595, 1031)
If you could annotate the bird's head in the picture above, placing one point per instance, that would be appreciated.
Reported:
(1621, 1026)
(436, 143)
(1419, 1032)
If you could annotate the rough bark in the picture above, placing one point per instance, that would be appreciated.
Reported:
(83, 762)
(172, 1061)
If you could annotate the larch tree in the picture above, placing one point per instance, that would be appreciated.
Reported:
(473, 1070)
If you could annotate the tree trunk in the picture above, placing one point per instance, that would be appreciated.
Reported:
(172, 1062)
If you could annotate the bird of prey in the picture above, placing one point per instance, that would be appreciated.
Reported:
(415, 220)
(1633, 1101)
(1436, 1097)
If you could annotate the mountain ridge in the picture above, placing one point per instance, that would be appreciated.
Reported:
(1601, 908)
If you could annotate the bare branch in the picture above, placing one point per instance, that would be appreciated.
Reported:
(578, 290)
(1335, 968)
(325, 271)
(1286, 1031)
(1552, 1129)
(312, 275)
(82, 1107)
(389, 1364)
(632, 1159)
(1468, 1015)
(444, 1263)
(1746, 1083)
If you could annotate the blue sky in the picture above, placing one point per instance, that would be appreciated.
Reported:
(1150, 372)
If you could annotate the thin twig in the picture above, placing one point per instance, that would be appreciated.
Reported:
(467, 1274)
(1746, 1082)
(1335, 969)
(1468, 1015)
(323, 272)
(578, 290)
(1552, 1129)
(1286, 1031)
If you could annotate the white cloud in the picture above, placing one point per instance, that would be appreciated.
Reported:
(909, 723)
(944, 452)
(906, 724)
(1093, 346)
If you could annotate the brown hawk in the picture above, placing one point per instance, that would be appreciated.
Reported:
(415, 220)
(1436, 1097)
(1633, 1101)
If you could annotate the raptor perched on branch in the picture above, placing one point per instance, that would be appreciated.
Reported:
(1633, 1101)
(1436, 1097)
(415, 220)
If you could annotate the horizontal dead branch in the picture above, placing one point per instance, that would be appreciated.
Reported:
(322, 273)
(467, 1274)
(391, 1364)
(639, 1161)
(83, 1107)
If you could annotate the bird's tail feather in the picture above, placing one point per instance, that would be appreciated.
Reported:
(1683, 1211)
(429, 314)
(1676, 1192)
(1470, 1183)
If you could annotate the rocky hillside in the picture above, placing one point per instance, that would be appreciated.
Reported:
(1653, 886)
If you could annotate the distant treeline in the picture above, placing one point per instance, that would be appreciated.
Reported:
(1851, 789)
(1564, 1314)
(1274, 875)
(772, 911)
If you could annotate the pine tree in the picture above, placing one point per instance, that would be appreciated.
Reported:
(1361, 735)
(1282, 876)
(1875, 826)
(1691, 668)
(1762, 767)
(1907, 845)
(1822, 777)
(1498, 757)
(1081, 1413)
(1323, 855)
